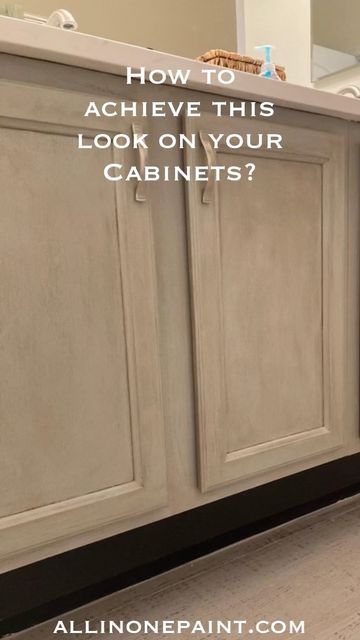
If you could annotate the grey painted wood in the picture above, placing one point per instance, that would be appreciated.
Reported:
(268, 265)
(82, 418)
(98, 362)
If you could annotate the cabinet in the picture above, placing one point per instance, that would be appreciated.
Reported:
(268, 270)
(161, 349)
(82, 441)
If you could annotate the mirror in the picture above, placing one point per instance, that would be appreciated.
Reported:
(335, 39)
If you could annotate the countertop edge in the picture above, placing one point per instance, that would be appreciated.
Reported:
(20, 38)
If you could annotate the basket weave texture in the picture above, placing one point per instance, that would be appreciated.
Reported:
(235, 61)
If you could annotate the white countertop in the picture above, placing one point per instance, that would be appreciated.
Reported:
(89, 52)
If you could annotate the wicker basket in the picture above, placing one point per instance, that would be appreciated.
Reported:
(235, 61)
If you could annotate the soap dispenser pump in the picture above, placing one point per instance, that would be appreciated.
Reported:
(268, 69)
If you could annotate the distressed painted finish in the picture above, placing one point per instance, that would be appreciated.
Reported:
(81, 415)
(268, 261)
(115, 308)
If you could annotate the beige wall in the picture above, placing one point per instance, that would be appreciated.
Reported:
(184, 27)
(287, 25)
(337, 24)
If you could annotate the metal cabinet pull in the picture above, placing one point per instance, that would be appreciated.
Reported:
(140, 192)
(208, 192)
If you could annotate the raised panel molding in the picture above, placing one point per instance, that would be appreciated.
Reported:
(269, 319)
(44, 118)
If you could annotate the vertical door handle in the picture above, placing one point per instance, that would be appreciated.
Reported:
(208, 192)
(141, 189)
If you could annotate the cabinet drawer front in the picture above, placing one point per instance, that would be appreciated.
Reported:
(268, 286)
(82, 441)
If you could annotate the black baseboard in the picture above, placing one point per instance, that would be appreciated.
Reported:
(51, 587)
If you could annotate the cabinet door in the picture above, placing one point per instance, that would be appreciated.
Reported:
(81, 419)
(268, 277)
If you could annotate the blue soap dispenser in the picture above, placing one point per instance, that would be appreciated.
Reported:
(268, 69)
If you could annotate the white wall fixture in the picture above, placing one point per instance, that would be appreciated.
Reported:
(351, 91)
(61, 18)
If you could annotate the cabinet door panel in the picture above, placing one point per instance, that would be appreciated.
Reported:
(63, 366)
(271, 297)
(81, 418)
(268, 286)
